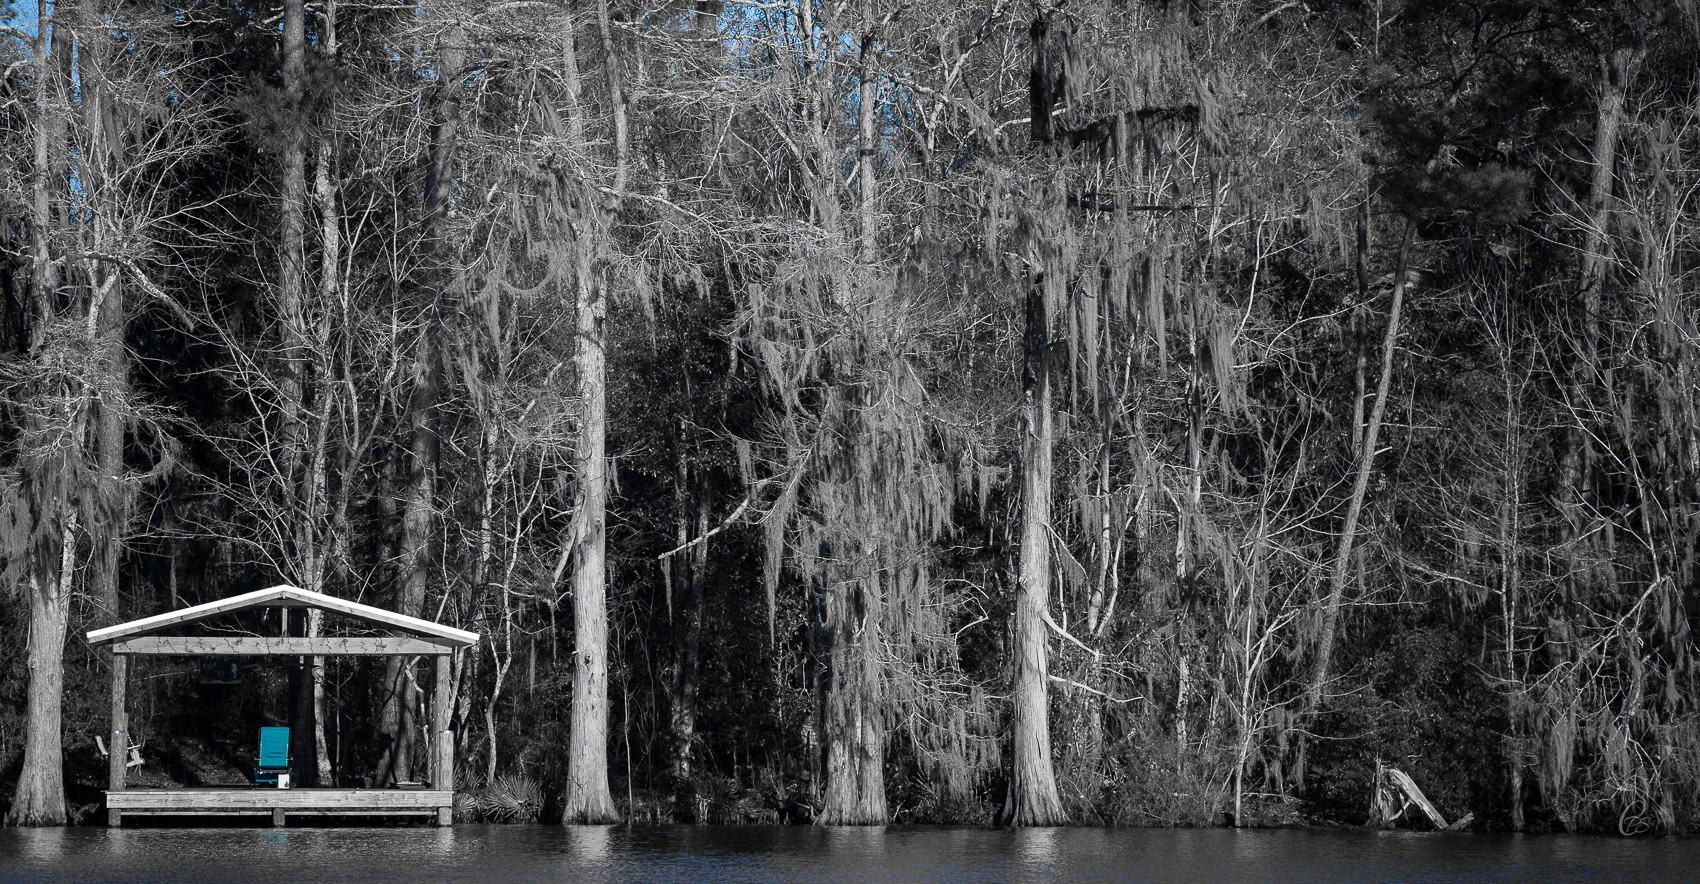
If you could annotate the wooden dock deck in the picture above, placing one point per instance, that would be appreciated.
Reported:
(280, 803)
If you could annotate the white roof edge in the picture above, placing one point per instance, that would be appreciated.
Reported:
(183, 615)
(260, 597)
(369, 612)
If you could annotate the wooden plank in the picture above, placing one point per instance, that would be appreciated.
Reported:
(291, 798)
(118, 739)
(185, 615)
(267, 800)
(286, 596)
(441, 743)
(458, 637)
(278, 646)
(427, 813)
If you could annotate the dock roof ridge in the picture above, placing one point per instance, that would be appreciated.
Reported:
(282, 595)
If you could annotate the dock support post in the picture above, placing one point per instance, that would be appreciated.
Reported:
(442, 739)
(277, 817)
(118, 741)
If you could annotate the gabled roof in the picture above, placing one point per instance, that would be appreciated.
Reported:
(284, 597)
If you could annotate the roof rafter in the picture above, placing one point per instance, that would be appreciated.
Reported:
(284, 596)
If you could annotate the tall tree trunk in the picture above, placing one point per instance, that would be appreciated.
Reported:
(687, 637)
(395, 722)
(112, 505)
(296, 353)
(40, 796)
(49, 145)
(588, 799)
(1576, 465)
(419, 507)
(1615, 72)
(330, 259)
(1509, 578)
(111, 494)
(853, 721)
(688, 484)
(853, 711)
(39, 799)
(304, 751)
(1339, 572)
(1032, 799)
(869, 723)
(292, 246)
(1360, 332)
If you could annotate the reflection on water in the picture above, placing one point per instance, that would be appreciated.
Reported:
(701, 854)
(593, 846)
(1037, 847)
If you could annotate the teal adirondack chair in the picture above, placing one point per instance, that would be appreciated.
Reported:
(274, 754)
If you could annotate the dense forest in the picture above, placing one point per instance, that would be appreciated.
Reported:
(1109, 412)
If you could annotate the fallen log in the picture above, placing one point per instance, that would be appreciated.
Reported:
(1395, 793)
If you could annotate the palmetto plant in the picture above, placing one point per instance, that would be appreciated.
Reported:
(511, 798)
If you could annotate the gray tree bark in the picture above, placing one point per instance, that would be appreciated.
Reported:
(687, 637)
(330, 285)
(853, 715)
(1032, 799)
(1576, 464)
(1340, 570)
(112, 497)
(40, 796)
(589, 800)
(419, 505)
(297, 354)
(49, 552)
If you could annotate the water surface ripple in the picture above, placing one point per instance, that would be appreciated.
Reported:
(703, 854)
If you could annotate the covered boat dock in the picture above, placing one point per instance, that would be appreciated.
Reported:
(164, 634)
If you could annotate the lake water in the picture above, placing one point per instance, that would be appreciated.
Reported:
(703, 854)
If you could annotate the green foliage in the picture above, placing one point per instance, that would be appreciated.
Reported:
(513, 797)
(1457, 130)
(1420, 707)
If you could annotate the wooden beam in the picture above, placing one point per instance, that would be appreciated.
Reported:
(197, 612)
(442, 739)
(288, 597)
(294, 801)
(118, 741)
(458, 637)
(425, 812)
(270, 646)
